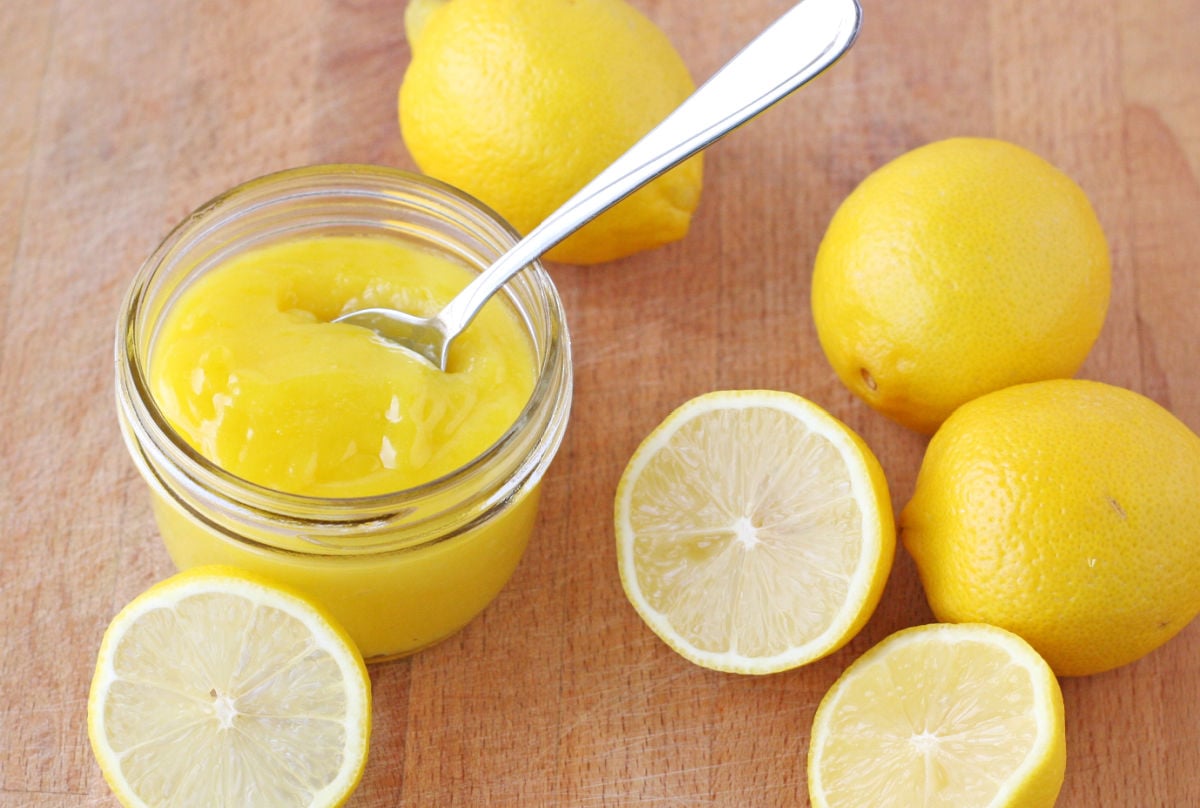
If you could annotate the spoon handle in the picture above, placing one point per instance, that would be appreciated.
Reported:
(793, 50)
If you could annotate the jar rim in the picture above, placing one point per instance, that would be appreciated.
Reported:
(138, 405)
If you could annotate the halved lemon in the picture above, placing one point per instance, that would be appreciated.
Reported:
(958, 715)
(754, 531)
(218, 688)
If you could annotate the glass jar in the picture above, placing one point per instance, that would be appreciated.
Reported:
(401, 571)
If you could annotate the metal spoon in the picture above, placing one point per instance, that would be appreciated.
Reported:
(798, 46)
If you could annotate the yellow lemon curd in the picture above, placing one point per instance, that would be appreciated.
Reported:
(249, 370)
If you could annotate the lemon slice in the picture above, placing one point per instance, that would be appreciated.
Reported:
(217, 688)
(754, 531)
(955, 715)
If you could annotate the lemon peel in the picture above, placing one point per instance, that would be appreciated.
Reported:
(520, 103)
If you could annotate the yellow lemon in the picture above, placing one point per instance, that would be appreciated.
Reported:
(216, 687)
(943, 715)
(521, 102)
(754, 531)
(1066, 511)
(961, 267)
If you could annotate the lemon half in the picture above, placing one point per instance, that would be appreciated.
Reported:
(958, 715)
(217, 688)
(754, 531)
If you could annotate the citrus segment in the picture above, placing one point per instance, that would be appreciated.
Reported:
(946, 715)
(217, 688)
(754, 531)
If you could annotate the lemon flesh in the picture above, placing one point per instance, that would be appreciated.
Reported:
(754, 531)
(521, 102)
(216, 688)
(942, 715)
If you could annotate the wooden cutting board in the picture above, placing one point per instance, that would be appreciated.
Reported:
(118, 118)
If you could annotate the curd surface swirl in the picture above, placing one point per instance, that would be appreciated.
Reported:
(249, 369)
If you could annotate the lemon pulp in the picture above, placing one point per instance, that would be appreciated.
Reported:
(754, 531)
(947, 715)
(215, 687)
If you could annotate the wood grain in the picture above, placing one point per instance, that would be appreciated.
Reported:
(120, 117)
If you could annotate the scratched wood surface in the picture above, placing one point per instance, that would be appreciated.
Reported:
(118, 118)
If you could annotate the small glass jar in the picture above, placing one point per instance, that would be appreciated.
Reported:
(400, 571)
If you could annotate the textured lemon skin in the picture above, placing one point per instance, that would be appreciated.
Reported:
(961, 267)
(1066, 511)
(1038, 786)
(521, 102)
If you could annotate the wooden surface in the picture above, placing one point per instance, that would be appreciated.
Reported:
(119, 117)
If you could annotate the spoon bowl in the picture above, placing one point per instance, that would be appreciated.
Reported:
(788, 54)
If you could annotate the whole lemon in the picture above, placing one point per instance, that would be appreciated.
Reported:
(521, 102)
(961, 267)
(1065, 511)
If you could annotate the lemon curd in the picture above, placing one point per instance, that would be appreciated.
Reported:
(317, 454)
(251, 372)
